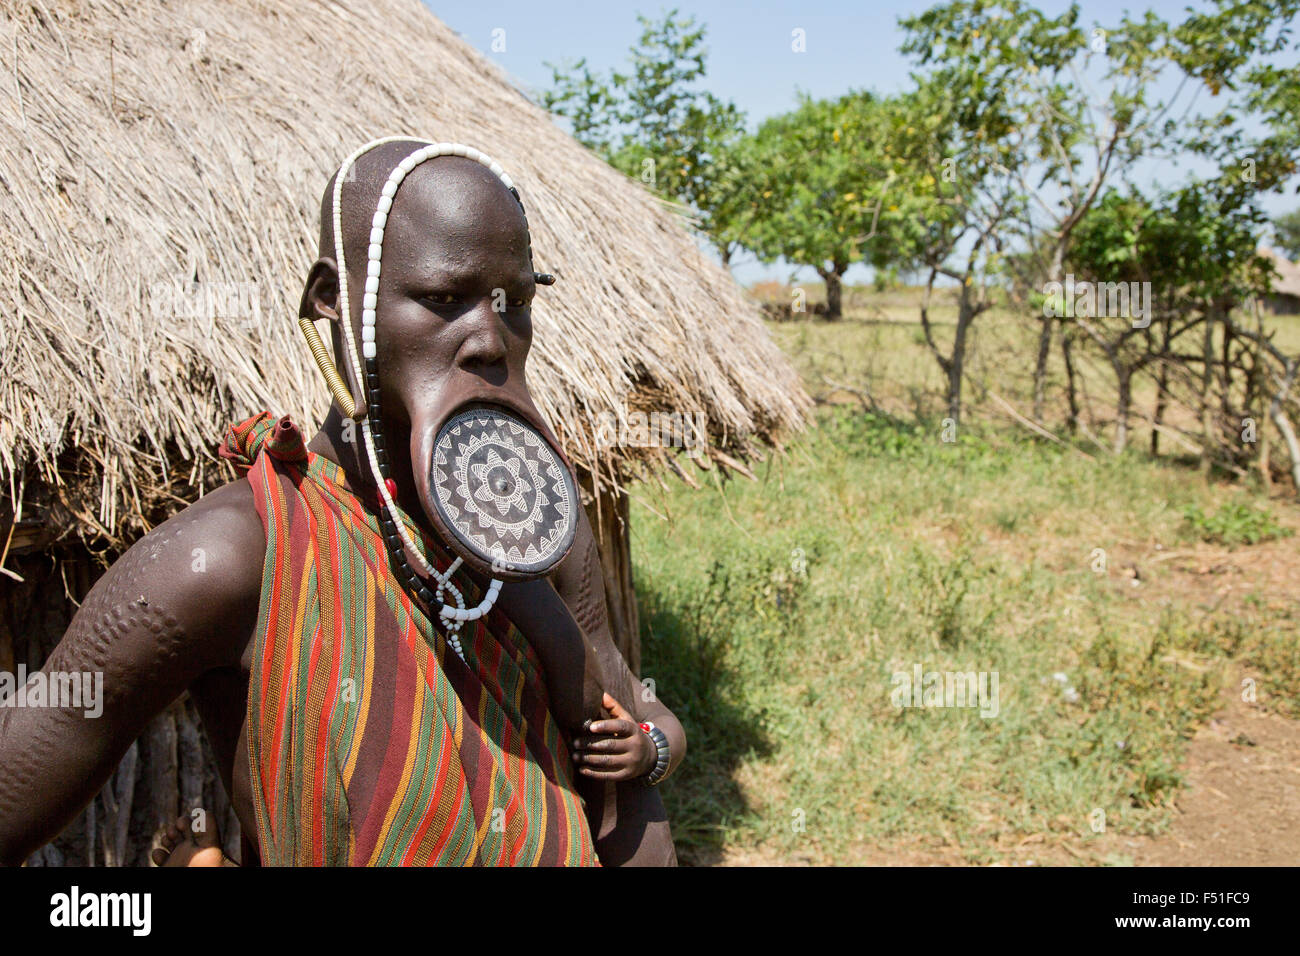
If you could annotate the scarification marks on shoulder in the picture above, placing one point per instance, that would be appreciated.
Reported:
(126, 605)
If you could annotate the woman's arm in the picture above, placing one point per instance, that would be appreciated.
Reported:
(152, 624)
(579, 584)
(633, 828)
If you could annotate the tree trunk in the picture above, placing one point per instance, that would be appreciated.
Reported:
(1162, 386)
(1265, 466)
(1054, 272)
(1125, 399)
(1158, 415)
(954, 390)
(1207, 377)
(1072, 394)
(965, 318)
(834, 290)
(1040, 366)
(1256, 397)
(609, 514)
(1228, 416)
(1289, 438)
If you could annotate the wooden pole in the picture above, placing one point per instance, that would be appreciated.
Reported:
(610, 515)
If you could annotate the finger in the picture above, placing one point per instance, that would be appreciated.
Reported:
(608, 776)
(605, 761)
(594, 758)
(159, 856)
(617, 709)
(615, 728)
(604, 744)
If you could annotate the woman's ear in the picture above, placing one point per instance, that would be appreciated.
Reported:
(320, 294)
(320, 300)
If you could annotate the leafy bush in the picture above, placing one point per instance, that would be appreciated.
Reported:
(1234, 523)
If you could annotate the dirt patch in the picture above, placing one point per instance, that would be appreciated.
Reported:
(1219, 576)
(1241, 806)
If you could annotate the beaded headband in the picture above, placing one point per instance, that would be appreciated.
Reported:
(399, 540)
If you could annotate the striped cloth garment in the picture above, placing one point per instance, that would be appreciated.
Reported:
(371, 742)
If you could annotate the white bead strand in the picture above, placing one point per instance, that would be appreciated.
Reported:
(453, 617)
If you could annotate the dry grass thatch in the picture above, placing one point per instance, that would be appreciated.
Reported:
(150, 145)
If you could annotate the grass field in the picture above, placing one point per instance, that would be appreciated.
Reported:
(777, 613)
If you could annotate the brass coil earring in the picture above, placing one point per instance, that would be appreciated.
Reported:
(338, 388)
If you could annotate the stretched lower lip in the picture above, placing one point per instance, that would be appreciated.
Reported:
(496, 490)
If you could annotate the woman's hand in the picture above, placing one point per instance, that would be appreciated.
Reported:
(614, 749)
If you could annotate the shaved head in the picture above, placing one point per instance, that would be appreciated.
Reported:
(439, 285)
(452, 302)
(454, 232)
(457, 189)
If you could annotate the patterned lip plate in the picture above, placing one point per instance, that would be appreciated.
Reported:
(500, 488)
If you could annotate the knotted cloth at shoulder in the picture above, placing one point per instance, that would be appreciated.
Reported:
(245, 440)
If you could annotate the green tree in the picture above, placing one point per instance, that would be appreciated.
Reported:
(816, 183)
(946, 213)
(1015, 60)
(1193, 248)
(1069, 140)
(1286, 233)
(1198, 241)
(656, 124)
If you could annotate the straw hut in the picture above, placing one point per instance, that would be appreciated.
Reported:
(160, 168)
(1285, 297)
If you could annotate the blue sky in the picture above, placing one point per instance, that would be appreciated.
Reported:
(850, 45)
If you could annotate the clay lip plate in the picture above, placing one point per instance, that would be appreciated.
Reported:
(502, 492)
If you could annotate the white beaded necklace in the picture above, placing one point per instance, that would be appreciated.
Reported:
(453, 618)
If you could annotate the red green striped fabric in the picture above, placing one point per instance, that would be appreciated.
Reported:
(371, 743)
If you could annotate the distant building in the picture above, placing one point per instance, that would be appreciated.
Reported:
(1285, 298)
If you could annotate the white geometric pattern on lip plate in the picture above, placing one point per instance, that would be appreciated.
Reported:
(453, 485)
(462, 483)
(461, 471)
(488, 494)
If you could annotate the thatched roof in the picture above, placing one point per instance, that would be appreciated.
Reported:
(1287, 280)
(147, 145)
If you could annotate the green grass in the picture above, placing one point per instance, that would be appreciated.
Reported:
(775, 614)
